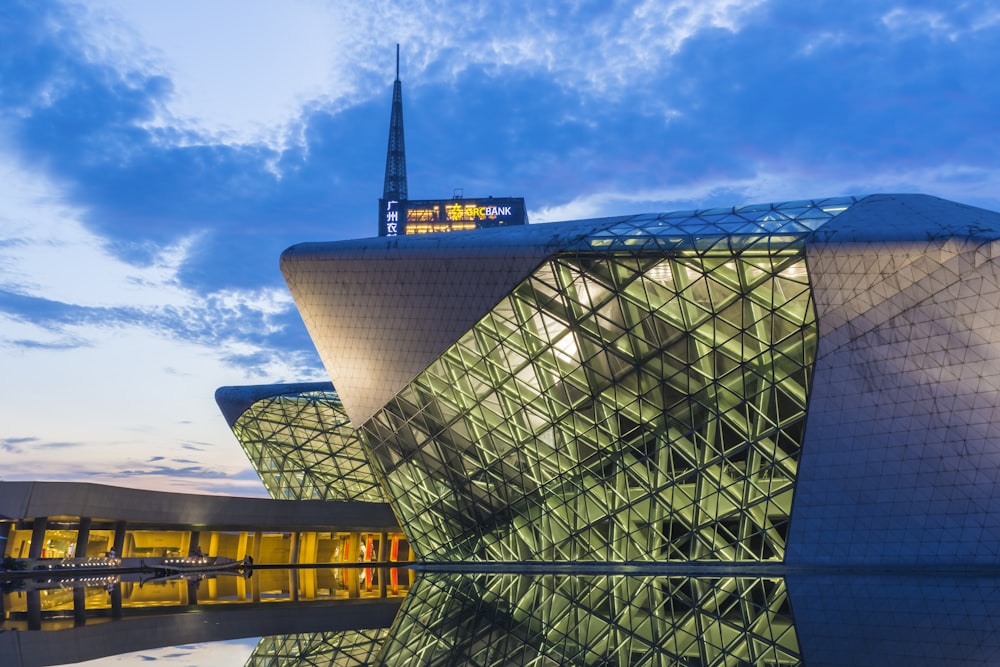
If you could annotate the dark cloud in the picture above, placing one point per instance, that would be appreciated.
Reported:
(14, 445)
(58, 445)
(20, 445)
(178, 472)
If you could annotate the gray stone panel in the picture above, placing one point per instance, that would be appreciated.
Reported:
(380, 310)
(900, 462)
(51, 499)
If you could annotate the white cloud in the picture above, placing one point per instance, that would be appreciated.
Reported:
(971, 185)
(123, 382)
(952, 23)
(243, 71)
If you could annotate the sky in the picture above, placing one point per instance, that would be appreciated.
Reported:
(157, 157)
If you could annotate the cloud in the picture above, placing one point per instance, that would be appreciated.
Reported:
(952, 23)
(306, 53)
(112, 359)
(960, 183)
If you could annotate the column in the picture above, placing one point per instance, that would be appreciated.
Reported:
(116, 599)
(38, 540)
(82, 537)
(34, 603)
(383, 547)
(79, 606)
(119, 547)
(193, 542)
(258, 541)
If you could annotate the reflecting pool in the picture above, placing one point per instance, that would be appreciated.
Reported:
(396, 616)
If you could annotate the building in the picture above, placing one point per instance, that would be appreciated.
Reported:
(56, 520)
(806, 382)
(300, 441)
(399, 215)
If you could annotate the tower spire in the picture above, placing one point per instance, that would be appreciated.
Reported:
(395, 157)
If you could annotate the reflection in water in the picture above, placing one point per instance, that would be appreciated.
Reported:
(319, 649)
(341, 620)
(48, 624)
(506, 619)
(60, 603)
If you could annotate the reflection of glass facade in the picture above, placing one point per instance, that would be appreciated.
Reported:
(303, 446)
(640, 397)
(506, 619)
(329, 649)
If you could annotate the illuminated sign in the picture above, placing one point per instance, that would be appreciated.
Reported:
(449, 215)
(461, 211)
(391, 218)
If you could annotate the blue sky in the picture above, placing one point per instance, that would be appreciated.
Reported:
(156, 158)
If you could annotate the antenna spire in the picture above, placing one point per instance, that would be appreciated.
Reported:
(395, 157)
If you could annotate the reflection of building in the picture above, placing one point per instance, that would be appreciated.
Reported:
(656, 388)
(335, 649)
(398, 215)
(300, 441)
(509, 619)
(74, 616)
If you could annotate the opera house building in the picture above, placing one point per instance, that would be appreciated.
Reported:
(811, 382)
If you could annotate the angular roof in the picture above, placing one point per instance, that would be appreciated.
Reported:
(234, 401)
(381, 310)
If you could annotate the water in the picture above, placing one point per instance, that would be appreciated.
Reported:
(360, 616)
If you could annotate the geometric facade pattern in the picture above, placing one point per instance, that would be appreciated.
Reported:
(351, 648)
(616, 406)
(507, 619)
(904, 424)
(301, 442)
(807, 382)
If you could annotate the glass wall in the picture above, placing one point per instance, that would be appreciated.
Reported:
(270, 547)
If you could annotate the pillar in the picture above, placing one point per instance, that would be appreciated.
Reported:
(258, 541)
(38, 540)
(213, 544)
(82, 537)
(79, 605)
(383, 547)
(116, 597)
(34, 603)
(119, 547)
(193, 541)
(353, 580)
(4, 541)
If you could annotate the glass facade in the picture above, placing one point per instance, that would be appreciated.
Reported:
(640, 397)
(304, 447)
(507, 619)
(354, 648)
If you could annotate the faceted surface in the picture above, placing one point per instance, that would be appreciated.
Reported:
(353, 648)
(300, 441)
(505, 619)
(639, 397)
